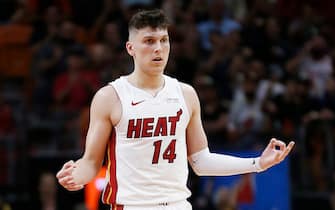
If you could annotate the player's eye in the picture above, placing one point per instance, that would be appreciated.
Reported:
(149, 41)
(164, 40)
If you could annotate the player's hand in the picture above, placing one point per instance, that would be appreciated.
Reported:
(275, 152)
(65, 177)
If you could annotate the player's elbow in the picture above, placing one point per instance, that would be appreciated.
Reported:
(198, 171)
(198, 162)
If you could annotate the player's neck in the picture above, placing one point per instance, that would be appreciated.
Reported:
(150, 83)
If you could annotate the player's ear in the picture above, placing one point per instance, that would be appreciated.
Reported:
(130, 48)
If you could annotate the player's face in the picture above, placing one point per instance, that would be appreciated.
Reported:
(150, 49)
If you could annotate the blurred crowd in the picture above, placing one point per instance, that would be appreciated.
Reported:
(262, 69)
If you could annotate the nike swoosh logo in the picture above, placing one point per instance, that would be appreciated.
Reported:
(136, 103)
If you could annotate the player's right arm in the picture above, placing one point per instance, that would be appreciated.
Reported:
(105, 111)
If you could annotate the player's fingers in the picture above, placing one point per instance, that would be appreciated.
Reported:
(272, 143)
(65, 180)
(69, 184)
(74, 187)
(64, 172)
(287, 150)
(278, 156)
(291, 145)
(66, 169)
(68, 164)
(280, 144)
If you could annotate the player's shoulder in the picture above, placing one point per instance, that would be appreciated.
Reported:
(106, 91)
(106, 95)
(188, 90)
(106, 104)
(190, 96)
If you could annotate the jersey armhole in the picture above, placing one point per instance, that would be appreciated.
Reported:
(183, 100)
(117, 91)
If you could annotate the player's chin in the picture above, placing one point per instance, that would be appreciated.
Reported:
(157, 69)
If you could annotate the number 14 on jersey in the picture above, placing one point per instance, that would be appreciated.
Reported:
(168, 154)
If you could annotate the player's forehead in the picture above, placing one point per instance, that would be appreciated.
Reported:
(152, 32)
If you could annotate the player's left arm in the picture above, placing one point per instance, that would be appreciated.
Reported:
(206, 163)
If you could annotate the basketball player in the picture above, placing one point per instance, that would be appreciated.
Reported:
(150, 126)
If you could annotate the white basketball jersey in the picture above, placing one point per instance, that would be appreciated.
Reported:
(147, 157)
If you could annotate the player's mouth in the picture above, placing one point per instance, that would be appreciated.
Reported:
(157, 60)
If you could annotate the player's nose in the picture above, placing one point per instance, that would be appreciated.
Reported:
(158, 47)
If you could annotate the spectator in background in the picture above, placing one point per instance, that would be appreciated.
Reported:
(73, 89)
(246, 119)
(314, 63)
(214, 114)
(112, 43)
(273, 50)
(185, 47)
(226, 198)
(112, 11)
(106, 54)
(46, 27)
(236, 9)
(235, 71)
(111, 37)
(172, 9)
(240, 195)
(225, 48)
(49, 60)
(47, 193)
(199, 10)
(217, 22)
(38, 6)
(100, 60)
(271, 85)
(288, 107)
(23, 13)
(319, 142)
(318, 173)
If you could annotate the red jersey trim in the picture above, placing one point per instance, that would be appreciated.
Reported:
(109, 195)
(117, 207)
